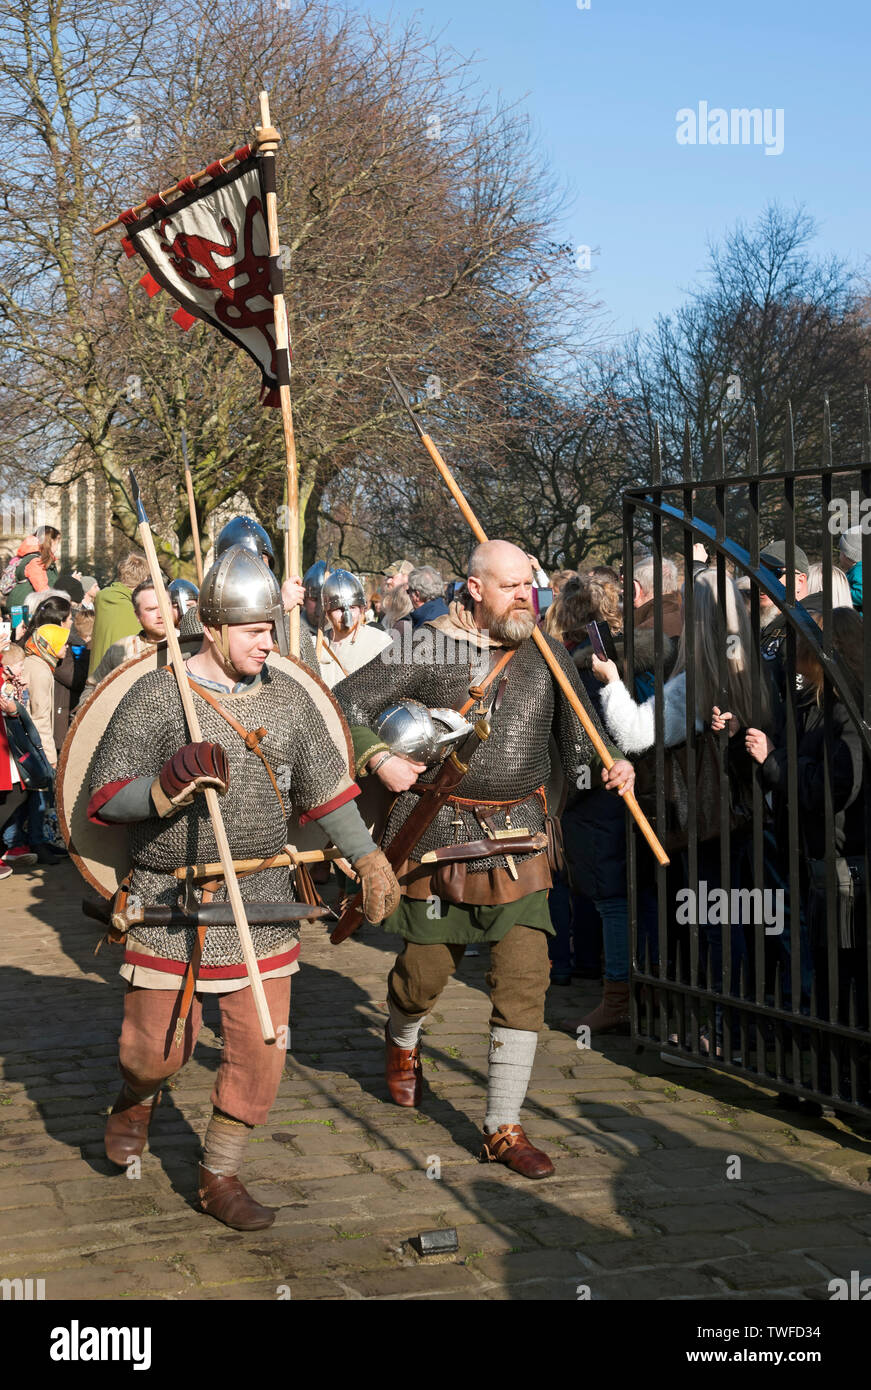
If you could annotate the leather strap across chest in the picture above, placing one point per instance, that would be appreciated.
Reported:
(250, 737)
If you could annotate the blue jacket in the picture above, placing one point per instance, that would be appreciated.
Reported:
(854, 579)
(434, 608)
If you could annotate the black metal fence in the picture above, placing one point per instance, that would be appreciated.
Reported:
(772, 980)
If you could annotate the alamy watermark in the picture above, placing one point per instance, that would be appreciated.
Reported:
(25, 1290)
(746, 907)
(740, 125)
(844, 514)
(24, 516)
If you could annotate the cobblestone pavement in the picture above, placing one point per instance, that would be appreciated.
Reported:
(640, 1207)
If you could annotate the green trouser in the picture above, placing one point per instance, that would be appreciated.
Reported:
(518, 977)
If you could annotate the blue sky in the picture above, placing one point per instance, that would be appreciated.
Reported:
(603, 86)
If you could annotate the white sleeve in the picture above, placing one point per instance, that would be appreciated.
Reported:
(632, 725)
(629, 724)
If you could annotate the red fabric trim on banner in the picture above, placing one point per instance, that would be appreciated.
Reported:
(129, 248)
(242, 153)
(183, 318)
(270, 396)
(155, 201)
(150, 285)
(128, 217)
(317, 811)
(186, 185)
(99, 799)
(215, 169)
(210, 972)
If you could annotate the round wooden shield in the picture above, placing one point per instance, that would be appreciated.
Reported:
(100, 852)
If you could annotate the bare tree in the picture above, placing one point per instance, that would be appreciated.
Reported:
(770, 325)
(414, 224)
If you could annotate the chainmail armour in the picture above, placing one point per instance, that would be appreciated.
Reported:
(513, 761)
(190, 626)
(311, 768)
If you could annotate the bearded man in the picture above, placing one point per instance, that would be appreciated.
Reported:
(479, 660)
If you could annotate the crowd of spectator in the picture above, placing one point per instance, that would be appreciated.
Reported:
(61, 635)
(590, 906)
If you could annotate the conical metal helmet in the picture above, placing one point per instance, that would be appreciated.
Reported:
(241, 588)
(342, 589)
(183, 595)
(312, 583)
(244, 530)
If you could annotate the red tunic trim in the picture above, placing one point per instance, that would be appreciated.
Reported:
(99, 799)
(210, 972)
(317, 811)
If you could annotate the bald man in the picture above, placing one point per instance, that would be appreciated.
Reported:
(480, 898)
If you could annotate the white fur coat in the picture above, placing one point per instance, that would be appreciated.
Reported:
(631, 725)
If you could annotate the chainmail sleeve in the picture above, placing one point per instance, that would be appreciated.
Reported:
(575, 746)
(399, 672)
(136, 743)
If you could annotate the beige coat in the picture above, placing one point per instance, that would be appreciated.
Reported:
(40, 680)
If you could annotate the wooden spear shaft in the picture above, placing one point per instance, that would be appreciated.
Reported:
(192, 508)
(537, 636)
(266, 143)
(193, 723)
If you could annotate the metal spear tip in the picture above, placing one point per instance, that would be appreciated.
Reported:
(137, 498)
(184, 447)
(404, 399)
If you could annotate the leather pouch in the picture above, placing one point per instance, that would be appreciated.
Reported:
(555, 850)
(449, 881)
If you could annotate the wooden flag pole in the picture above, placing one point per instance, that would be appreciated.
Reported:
(537, 636)
(192, 508)
(211, 795)
(266, 143)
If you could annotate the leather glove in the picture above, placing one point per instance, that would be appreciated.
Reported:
(378, 884)
(192, 769)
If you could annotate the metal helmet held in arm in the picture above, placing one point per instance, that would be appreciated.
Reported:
(241, 588)
(183, 595)
(424, 735)
(341, 589)
(244, 530)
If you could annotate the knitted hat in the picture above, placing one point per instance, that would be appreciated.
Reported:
(851, 544)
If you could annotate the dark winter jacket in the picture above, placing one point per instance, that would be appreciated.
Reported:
(594, 822)
(848, 790)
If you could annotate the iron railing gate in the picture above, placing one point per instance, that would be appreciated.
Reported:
(769, 1004)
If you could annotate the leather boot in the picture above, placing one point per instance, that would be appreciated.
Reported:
(404, 1072)
(509, 1145)
(227, 1200)
(127, 1127)
(613, 1011)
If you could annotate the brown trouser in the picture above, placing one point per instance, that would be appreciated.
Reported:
(518, 977)
(249, 1070)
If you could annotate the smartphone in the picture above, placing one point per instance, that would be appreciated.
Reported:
(17, 616)
(602, 642)
(5, 631)
(542, 599)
